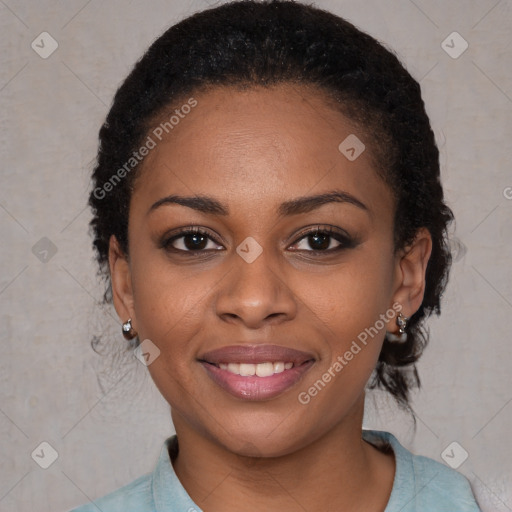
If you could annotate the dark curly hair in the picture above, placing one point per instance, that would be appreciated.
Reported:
(261, 43)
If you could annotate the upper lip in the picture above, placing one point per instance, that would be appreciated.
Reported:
(255, 354)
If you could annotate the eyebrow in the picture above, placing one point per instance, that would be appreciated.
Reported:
(305, 204)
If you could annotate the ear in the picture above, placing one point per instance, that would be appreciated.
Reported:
(120, 275)
(410, 270)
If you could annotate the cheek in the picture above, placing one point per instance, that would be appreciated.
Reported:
(166, 296)
(169, 304)
(347, 306)
(351, 297)
(174, 310)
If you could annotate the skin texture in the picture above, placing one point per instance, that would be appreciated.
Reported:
(253, 150)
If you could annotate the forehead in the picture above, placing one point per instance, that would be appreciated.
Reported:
(258, 146)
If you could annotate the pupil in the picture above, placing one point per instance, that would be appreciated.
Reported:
(319, 241)
(198, 241)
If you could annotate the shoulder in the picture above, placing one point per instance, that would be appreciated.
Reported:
(158, 491)
(421, 483)
(440, 486)
(136, 496)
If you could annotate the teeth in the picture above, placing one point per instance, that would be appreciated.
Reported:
(247, 370)
(278, 367)
(260, 369)
(264, 369)
(234, 368)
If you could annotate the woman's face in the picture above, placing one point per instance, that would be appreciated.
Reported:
(293, 263)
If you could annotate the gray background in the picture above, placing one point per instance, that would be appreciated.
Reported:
(101, 413)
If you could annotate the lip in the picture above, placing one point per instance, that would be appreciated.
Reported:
(252, 387)
(255, 354)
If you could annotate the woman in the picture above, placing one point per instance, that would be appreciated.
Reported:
(269, 218)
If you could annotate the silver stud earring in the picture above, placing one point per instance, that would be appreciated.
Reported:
(401, 337)
(128, 331)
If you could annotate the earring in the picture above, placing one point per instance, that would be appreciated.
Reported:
(128, 331)
(401, 337)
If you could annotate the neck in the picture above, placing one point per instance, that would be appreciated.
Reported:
(334, 471)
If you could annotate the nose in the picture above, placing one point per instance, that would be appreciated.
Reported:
(254, 294)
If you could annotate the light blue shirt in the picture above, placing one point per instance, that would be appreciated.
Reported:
(420, 485)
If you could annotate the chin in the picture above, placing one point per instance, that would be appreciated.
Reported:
(262, 439)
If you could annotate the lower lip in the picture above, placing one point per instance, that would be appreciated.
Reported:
(257, 388)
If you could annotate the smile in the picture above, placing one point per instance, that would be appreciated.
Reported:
(256, 372)
(260, 369)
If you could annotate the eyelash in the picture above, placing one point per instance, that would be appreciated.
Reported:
(345, 241)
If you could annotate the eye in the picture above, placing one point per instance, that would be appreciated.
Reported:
(324, 240)
(317, 240)
(192, 239)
